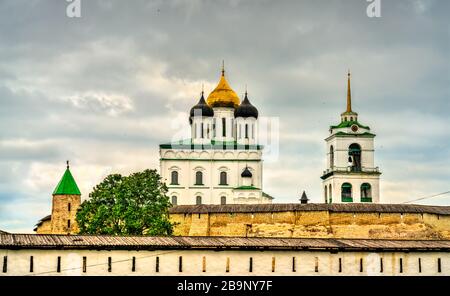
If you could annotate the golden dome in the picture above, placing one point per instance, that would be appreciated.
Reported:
(223, 95)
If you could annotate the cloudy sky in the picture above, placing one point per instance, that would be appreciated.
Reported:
(105, 89)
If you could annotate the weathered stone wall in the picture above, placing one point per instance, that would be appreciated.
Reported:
(61, 214)
(314, 224)
(45, 227)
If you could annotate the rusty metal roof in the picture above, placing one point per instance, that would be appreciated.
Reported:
(349, 208)
(96, 242)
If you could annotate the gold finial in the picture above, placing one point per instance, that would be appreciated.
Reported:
(349, 94)
(67, 162)
(223, 67)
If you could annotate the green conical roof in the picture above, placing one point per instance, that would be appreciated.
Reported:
(67, 185)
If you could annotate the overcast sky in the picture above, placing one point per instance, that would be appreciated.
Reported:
(105, 89)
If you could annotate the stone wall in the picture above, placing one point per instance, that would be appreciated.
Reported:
(314, 224)
(264, 262)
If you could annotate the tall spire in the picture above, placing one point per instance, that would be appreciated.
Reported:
(349, 95)
(223, 67)
(67, 184)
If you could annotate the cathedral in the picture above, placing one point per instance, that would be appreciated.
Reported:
(222, 161)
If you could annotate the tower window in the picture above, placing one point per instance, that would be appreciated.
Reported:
(198, 178)
(68, 207)
(346, 192)
(326, 194)
(224, 127)
(331, 156)
(174, 178)
(366, 192)
(246, 131)
(223, 200)
(214, 127)
(68, 223)
(253, 131)
(330, 195)
(223, 178)
(198, 200)
(202, 131)
(354, 152)
(174, 200)
(195, 130)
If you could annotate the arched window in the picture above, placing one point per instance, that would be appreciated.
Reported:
(354, 153)
(224, 127)
(198, 200)
(366, 192)
(223, 178)
(326, 194)
(346, 192)
(223, 200)
(198, 178)
(174, 200)
(246, 131)
(331, 156)
(351, 118)
(174, 178)
(330, 194)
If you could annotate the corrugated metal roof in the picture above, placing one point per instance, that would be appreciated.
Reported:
(351, 208)
(48, 241)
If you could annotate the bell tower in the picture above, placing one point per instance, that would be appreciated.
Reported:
(351, 175)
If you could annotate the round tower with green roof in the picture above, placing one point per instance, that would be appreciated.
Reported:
(66, 201)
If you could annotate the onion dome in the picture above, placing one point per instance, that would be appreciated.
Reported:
(246, 109)
(223, 95)
(246, 173)
(201, 109)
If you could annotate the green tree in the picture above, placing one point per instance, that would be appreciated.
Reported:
(131, 205)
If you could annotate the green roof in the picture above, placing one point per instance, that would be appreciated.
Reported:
(246, 188)
(344, 124)
(189, 144)
(67, 185)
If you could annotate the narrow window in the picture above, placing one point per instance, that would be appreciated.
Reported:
(294, 267)
(180, 264)
(58, 264)
(273, 264)
(109, 264)
(361, 267)
(68, 223)
(157, 264)
(224, 127)
(174, 179)
(195, 130)
(250, 267)
(401, 265)
(31, 264)
(381, 264)
(439, 265)
(204, 264)
(223, 200)
(68, 207)
(331, 156)
(133, 264)
(253, 131)
(340, 264)
(240, 132)
(5, 264)
(228, 265)
(198, 200)
(420, 265)
(214, 127)
(201, 132)
(316, 263)
(246, 131)
(174, 200)
(198, 178)
(84, 264)
(223, 178)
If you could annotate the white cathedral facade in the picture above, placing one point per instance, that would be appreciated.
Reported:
(222, 161)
